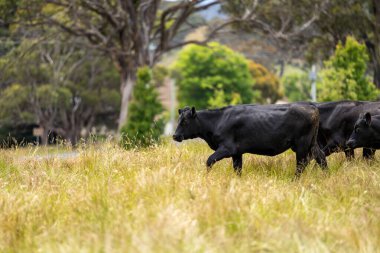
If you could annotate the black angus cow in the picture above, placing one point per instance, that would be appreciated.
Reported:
(337, 120)
(257, 129)
(366, 132)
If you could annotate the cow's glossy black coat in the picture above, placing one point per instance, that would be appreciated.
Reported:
(257, 129)
(337, 120)
(366, 132)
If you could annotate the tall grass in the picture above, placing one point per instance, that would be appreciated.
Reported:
(162, 200)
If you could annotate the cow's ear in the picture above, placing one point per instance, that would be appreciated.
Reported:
(367, 118)
(179, 111)
(193, 112)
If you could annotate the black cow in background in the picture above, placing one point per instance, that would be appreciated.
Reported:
(337, 120)
(257, 129)
(366, 132)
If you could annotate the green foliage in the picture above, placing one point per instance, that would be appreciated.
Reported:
(296, 85)
(57, 86)
(342, 18)
(14, 105)
(344, 74)
(8, 10)
(48, 95)
(96, 83)
(144, 125)
(272, 12)
(212, 76)
(314, 38)
(219, 98)
(159, 75)
(266, 83)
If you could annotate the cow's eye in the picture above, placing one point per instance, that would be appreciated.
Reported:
(356, 129)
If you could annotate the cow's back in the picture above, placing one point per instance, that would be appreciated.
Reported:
(332, 114)
(266, 129)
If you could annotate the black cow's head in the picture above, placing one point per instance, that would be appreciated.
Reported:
(188, 126)
(361, 136)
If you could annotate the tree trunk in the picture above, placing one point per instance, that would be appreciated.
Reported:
(45, 136)
(127, 84)
(74, 137)
(282, 68)
(376, 74)
(376, 51)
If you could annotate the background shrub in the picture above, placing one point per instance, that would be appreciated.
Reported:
(212, 76)
(144, 125)
(266, 85)
(344, 74)
(296, 85)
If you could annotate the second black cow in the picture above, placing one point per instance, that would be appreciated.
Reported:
(256, 129)
(337, 120)
(366, 132)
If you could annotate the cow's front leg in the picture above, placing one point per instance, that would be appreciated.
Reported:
(237, 161)
(350, 153)
(300, 167)
(330, 147)
(369, 153)
(218, 155)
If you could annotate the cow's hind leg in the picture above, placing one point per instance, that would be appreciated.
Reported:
(302, 161)
(237, 163)
(350, 153)
(330, 147)
(369, 153)
(320, 157)
(304, 152)
(326, 151)
(218, 155)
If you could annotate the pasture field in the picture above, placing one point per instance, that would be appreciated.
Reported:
(162, 200)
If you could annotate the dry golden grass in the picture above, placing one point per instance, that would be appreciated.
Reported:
(162, 200)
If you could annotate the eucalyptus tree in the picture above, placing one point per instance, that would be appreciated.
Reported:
(58, 86)
(132, 33)
(312, 28)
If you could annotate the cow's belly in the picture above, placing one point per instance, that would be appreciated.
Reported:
(269, 148)
(267, 152)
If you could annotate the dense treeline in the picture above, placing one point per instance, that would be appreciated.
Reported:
(70, 66)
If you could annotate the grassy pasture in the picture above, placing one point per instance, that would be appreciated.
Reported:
(162, 200)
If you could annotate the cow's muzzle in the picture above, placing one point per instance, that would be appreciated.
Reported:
(351, 143)
(178, 137)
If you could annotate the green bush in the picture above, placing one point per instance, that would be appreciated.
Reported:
(296, 85)
(344, 74)
(212, 76)
(266, 84)
(144, 125)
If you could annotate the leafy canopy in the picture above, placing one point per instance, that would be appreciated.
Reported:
(58, 86)
(344, 75)
(296, 85)
(212, 76)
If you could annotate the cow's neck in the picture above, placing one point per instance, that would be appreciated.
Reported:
(208, 120)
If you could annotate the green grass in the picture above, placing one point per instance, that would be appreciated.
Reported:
(162, 200)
